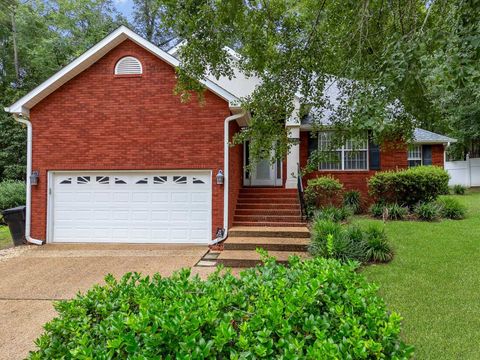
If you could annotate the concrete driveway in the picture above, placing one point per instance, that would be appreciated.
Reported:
(37, 276)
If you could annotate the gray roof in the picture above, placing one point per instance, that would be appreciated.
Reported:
(421, 136)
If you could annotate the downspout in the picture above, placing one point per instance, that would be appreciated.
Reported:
(28, 215)
(226, 175)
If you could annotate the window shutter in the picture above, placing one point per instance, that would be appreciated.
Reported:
(427, 155)
(312, 144)
(373, 154)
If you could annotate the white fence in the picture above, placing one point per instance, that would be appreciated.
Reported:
(465, 173)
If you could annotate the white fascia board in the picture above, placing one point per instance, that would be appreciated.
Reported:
(85, 60)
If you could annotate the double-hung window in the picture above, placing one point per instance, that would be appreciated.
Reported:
(414, 155)
(353, 155)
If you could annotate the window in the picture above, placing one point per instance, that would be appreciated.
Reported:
(128, 66)
(414, 155)
(352, 155)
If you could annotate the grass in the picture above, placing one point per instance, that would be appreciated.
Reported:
(434, 282)
(5, 238)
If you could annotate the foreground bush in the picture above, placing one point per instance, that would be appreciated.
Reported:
(451, 208)
(12, 194)
(409, 186)
(316, 309)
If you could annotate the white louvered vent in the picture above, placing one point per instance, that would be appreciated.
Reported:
(128, 66)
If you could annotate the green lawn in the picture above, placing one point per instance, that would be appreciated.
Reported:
(5, 238)
(434, 283)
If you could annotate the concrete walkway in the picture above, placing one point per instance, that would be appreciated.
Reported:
(31, 280)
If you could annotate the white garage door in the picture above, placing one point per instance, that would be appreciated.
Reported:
(160, 207)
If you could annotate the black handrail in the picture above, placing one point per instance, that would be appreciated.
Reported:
(300, 194)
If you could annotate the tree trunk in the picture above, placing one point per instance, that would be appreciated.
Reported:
(15, 49)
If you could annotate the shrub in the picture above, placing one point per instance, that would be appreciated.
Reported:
(377, 209)
(396, 212)
(322, 191)
(313, 309)
(427, 211)
(377, 248)
(459, 189)
(451, 208)
(12, 194)
(353, 200)
(330, 240)
(333, 213)
(409, 186)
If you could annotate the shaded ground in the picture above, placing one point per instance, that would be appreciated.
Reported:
(434, 283)
(31, 281)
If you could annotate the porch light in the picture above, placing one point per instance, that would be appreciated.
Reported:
(220, 177)
(34, 178)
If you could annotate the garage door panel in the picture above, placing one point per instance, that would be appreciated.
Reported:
(125, 207)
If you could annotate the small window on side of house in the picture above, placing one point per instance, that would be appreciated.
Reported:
(414, 155)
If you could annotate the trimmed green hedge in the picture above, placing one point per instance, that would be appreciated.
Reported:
(316, 309)
(409, 186)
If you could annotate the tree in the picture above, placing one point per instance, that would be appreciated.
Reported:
(37, 39)
(148, 22)
(379, 52)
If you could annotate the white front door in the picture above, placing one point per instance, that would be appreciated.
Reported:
(131, 207)
(264, 173)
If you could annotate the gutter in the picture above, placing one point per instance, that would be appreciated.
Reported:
(226, 175)
(28, 214)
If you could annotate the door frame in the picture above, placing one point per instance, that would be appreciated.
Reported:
(49, 226)
(277, 170)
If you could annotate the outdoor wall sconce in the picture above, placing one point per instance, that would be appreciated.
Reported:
(34, 178)
(220, 177)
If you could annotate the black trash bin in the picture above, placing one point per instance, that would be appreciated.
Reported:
(15, 218)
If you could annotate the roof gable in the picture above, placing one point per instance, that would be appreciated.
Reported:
(84, 61)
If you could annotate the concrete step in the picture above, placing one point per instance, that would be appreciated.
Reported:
(268, 224)
(267, 218)
(268, 200)
(254, 205)
(249, 190)
(267, 243)
(249, 258)
(266, 212)
(270, 231)
(272, 195)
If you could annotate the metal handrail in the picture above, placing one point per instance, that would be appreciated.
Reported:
(300, 194)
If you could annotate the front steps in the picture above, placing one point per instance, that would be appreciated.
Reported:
(268, 207)
(280, 242)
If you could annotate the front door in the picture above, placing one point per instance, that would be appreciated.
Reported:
(264, 173)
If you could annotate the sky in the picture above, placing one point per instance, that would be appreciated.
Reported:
(125, 7)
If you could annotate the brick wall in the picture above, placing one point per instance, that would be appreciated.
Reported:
(392, 157)
(97, 121)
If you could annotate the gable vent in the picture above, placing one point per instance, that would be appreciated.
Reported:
(128, 66)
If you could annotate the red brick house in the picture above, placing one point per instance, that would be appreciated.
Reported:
(115, 156)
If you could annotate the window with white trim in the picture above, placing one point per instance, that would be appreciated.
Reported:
(414, 155)
(353, 155)
(128, 65)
